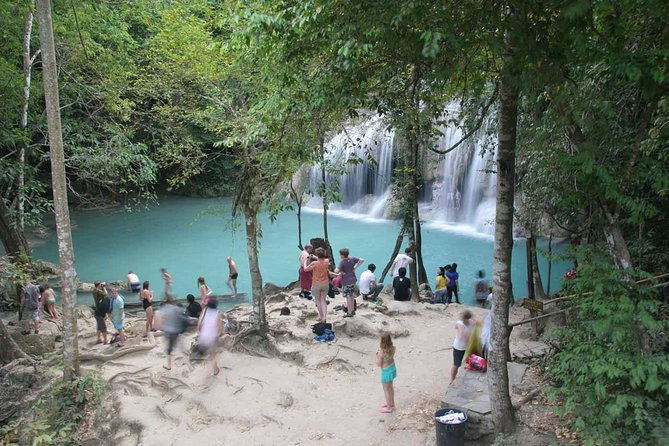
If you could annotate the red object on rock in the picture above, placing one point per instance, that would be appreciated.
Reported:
(476, 363)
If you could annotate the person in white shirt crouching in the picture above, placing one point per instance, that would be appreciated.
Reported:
(369, 288)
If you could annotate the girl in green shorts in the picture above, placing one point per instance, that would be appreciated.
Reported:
(385, 358)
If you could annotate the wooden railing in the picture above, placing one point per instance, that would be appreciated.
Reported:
(538, 305)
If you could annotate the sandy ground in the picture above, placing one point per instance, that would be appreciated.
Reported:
(316, 392)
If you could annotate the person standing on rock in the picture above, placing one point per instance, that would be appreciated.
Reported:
(453, 285)
(31, 305)
(306, 277)
(321, 281)
(167, 277)
(347, 267)
(481, 289)
(401, 261)
(102, 311)
(232, 277)
(134, 285)
(117, 315)
(172, 324)
(463, 331)
(99, 291)
(440, 288)
(146, 297)
(205, 291)
(49, 297)
(369, 288)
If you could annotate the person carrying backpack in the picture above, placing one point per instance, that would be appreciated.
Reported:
(31, 306)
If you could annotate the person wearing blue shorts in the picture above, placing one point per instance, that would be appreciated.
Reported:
(117, 315)
(385, 358)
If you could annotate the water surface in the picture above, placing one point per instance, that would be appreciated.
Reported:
(191, 237)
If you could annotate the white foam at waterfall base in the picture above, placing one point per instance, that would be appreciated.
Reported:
(463, 194)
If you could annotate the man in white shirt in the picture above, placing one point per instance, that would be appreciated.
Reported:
(369, 289)
(401, 261)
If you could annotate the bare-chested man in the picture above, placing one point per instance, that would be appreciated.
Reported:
(168, 283)
(232, 279)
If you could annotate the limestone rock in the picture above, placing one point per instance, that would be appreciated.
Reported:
(35, 344)
(21, 383)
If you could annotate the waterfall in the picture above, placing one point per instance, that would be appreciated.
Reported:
(464, 189)
(460, 185)
(364, 154)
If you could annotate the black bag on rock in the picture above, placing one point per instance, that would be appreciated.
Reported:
(319, 328)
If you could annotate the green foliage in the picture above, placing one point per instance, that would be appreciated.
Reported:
(57, 417)
(611, 369)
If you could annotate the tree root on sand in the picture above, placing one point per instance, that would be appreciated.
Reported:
(119, 374)
(117, 354)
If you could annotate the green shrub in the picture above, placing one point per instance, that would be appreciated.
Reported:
(611, 369)
(58, 415)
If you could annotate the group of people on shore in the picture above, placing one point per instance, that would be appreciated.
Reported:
(172, 319)
(34, 300)
(320, 281)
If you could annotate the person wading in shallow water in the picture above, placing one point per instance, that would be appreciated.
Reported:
(232, 277)
(133, 282)
(168, 283)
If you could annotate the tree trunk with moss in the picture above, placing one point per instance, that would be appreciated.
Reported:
(498, 376)
(251, 223)
(60, 204)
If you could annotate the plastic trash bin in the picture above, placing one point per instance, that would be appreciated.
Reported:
(450, 434)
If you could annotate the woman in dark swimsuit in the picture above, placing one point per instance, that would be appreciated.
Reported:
(146, 296)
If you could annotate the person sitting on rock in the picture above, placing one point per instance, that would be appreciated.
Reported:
(401, 285)
(369, 288)
(194, 308)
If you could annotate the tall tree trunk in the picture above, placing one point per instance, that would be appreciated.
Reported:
(9, 350)
(413, 269)
(616, 241)
(411, 210)
(530, 268)
(60, 205)
(539, 292)
(28, 60)
(396, 250)
(422, 274)
(498, 376)
(298, 200)
(550, 264)
(13, 238)
(251, 222)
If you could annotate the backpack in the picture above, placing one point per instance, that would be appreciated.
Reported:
(31, 296)
(319, 328)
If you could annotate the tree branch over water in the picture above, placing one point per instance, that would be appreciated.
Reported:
(476, 127)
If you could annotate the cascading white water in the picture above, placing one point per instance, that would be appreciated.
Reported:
(463, 190)
(365, 187)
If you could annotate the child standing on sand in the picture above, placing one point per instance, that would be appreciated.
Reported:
(385, 358)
